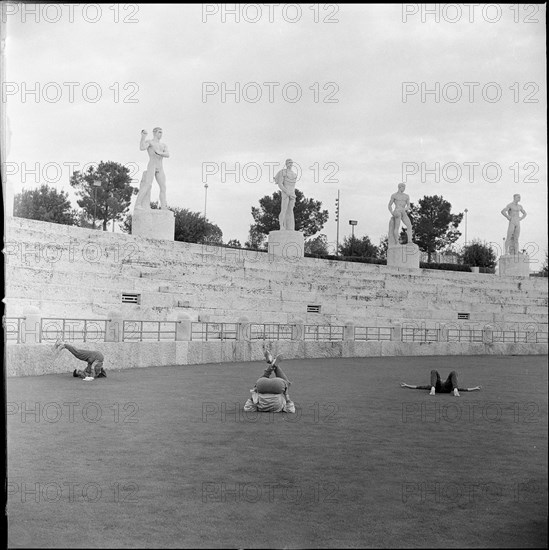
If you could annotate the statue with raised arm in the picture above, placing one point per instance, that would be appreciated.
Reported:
(286, 180)
(157, 151)
(399, 213)
(513, 213)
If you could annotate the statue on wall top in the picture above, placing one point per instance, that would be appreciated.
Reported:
(286, 180)
(513, 213)
(157, 151)
(399, 213)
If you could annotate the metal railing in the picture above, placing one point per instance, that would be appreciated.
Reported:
(323, 332)
(373, 333)
(465, 335)
(94, 330)
(271, 331)
(12, 329)
(137, 330)
(79, 330)
(420, 334)
(518, 336)
(214, 331)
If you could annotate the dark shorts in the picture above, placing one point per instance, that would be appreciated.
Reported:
(271, 385)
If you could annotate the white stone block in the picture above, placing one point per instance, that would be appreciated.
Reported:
(403, 255)
(154, 224)
(514, 265)
(286, 244)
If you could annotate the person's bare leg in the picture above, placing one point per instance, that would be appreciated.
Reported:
(516, 235)
(391, 231)
(148, 176)
(435, 380)
(509, 240)
(283, 210)
(161, 179)
(452, 379)
(408, 224)
(279, 373)
(290, 219)
(396, 228)
(144, 189)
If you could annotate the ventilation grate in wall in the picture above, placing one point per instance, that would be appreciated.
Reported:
(131, 298)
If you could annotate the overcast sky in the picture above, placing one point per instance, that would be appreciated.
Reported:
(360, 70)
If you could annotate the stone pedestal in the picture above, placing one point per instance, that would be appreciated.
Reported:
(154, 224)
(403, 255)
(287, 244)
(514, 265)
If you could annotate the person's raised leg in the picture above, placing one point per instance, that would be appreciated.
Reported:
(435, 381)
(279, 373)
(452, 382)
(78, 353)
(269, 359)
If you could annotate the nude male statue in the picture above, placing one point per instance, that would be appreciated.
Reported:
(286, 180)
(157, 151)
(513, 213)
(400, 212)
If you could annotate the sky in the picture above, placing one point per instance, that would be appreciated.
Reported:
(362, 97)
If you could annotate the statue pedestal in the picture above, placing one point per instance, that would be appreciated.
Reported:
(514, 265)
(153, 224)
(287, 244)
(403, 255)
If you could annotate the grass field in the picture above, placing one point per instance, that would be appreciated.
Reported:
(165, 457)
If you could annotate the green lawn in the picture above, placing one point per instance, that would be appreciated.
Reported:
(165, 457)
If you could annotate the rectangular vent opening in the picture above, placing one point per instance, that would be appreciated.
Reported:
(464, 316)
(131, 298)
(313, 309)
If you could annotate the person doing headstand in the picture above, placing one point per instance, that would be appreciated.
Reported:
(93, 358)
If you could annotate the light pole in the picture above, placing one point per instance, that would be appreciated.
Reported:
(352, 223)
(337, 220)
(96, 184)
(466, 226)
(205, 199)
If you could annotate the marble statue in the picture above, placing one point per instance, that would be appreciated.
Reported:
(157, 151)
(513, 213)
(401, 203)
(286, 180)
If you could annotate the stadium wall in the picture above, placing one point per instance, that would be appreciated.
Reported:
(71, 272)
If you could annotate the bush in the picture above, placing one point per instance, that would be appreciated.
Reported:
(447, 267)
(479, 254)
(358, 259)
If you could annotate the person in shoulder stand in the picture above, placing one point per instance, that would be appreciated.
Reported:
(93, 358)
(271, 394)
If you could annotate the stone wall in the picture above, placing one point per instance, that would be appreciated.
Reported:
(64, 271)
(38, 359)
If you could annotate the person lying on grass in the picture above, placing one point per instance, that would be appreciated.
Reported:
(93, 358)
(437, 386)
(271, 394)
